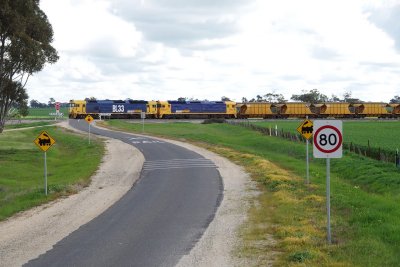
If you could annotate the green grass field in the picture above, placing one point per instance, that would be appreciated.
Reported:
(71, 162)
(378, 133)
(364, 194)
(43, 113)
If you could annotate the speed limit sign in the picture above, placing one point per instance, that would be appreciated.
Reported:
(328, 139)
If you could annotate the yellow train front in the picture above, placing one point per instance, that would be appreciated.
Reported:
(77, 109)
(195, 109)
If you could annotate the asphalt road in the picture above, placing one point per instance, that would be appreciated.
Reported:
(157, 221)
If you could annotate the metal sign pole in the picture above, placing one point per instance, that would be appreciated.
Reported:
(328, 198)
(306, 131)
(89, 133)
(308, 165)
(307, 159)
(142, 116)
(328, 140)
(45, 173)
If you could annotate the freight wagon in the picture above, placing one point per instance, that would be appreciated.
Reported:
(255, 110)
(295, 110)
(393, 109)
(274, 111)
(335, 110)
(369, 109)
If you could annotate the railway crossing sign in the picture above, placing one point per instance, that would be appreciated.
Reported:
(328, 139)
(44, 141)
(89, 119)
(306, 129)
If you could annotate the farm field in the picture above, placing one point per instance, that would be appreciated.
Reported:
(21, 167)
(43, 113)
(365, 195)
(379, 133)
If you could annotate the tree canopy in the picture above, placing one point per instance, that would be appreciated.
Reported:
(25, 38)
(313, 96)
(395, 100)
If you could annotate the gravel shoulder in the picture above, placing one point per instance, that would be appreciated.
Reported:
(31, 233)
(216, 246)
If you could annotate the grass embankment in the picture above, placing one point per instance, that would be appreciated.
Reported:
(70, 163)
(365, 197)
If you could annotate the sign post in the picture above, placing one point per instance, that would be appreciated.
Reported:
(57, 106)
(328, 141)
(89, 119)
(142, 116)
(44, 141)
(306, 130)
(57, 114)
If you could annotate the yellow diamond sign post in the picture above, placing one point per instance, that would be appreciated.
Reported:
(306, 130)
(44, 141)
(89, 119)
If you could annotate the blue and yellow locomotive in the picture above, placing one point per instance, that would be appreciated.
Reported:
(112, 108)
(196, 109)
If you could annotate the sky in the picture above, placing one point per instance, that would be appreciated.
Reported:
(206, 49)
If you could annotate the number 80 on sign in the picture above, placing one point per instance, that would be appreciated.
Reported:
(328, 139)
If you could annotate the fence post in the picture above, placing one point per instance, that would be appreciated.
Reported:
(397, 158)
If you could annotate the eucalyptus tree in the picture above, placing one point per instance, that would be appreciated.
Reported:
(313, 96)
(25, 47)
(395, 100)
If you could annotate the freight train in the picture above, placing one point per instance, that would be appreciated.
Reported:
(228, 109)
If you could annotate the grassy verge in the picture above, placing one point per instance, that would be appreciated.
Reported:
(365, 196)
(30, 124)
(70, 163)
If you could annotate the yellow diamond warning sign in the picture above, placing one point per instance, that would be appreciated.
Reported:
(306, 129)
(44, 141)
(89, 119)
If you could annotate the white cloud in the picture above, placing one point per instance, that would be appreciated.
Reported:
(157, 49)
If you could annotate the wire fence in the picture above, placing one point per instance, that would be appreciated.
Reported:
(384, 155)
